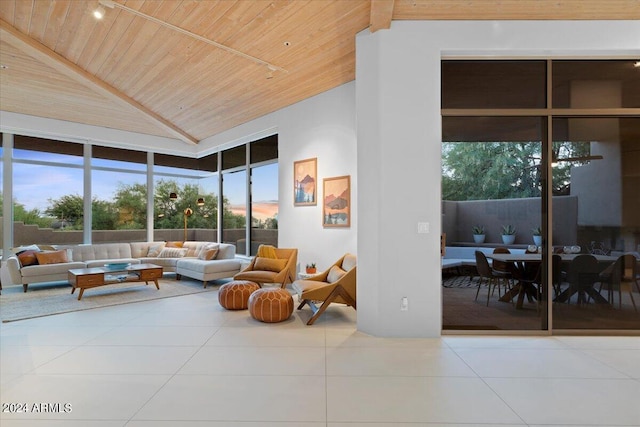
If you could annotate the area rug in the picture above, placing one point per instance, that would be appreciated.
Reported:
(460, 282)
(56, 298)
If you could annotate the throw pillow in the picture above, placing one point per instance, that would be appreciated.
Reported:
(192, 249)
(174, 244)
(172, 253)
(208, 252)
(27, 258)
(335, 274)
(154, 250)
(47, 248)
(269, 264)
(267, 251)
(19, 249)
(52, 257)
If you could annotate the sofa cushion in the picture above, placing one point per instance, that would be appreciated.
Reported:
(102, 251)
(208, 251)
(174, 244)
(41, 271)
(52, 257)
(226, 251)
(335, 274)
(193, 248)
(205, 267)
(155, 249)
(19, 249)
(269, 264)
(27, 258)
(170, 252)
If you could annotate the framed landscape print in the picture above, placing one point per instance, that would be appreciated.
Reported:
(336, 205)
(304, 182)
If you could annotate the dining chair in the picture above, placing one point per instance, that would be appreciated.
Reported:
(583, 274)
(620, 276)
(491, 275)
(504, 267)
(533, 276)
(557, 274)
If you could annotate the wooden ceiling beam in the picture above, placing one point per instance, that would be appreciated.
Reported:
(381, 14)
(42, 53)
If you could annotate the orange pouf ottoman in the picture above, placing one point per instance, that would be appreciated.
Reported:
(235, 294)
(270, 305)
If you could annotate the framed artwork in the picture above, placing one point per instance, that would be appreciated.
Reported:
(305, 176)
(336, 205)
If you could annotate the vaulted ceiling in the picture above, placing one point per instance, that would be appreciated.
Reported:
(157, 66)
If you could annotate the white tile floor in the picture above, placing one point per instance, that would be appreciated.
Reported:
(185, 361)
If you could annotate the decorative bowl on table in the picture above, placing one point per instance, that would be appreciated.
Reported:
(117, 266)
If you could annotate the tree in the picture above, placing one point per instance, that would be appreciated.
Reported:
(69, 207)
(131, 204)
(33, 216)
(170, 214)
(502, 170)
(104, 215)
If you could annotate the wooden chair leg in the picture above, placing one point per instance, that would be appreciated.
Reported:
(338, 291)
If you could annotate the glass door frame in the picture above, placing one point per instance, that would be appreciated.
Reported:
(548, 114)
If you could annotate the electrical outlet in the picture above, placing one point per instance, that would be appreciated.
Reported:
(404, 304)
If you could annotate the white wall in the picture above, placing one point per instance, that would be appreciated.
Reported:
(323, 127)
(399, 136)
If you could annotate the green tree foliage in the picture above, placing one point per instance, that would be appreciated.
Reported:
(105, 215)
(131, 204)
(128, 210)
(33, 216)
(69, 207)
(502, 170)
(170, 214)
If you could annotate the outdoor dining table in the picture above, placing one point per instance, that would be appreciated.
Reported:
(527, 288)
(523, 287)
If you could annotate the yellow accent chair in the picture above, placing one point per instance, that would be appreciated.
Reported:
(336, 284)
(268, 269)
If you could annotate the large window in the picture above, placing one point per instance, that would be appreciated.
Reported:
(561, 170)
(48, 191)
(119, 194)
(64, 189)
(256, 198)
(185, 198)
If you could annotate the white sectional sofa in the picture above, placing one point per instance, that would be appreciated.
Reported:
(182, 261)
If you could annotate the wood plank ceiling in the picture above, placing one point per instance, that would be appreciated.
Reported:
(131, 73)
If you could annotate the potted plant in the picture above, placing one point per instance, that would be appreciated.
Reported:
(311, 268)
(478, 233)
(537, 236)
(508, 234)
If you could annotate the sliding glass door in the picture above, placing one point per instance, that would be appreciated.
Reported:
(549, 151)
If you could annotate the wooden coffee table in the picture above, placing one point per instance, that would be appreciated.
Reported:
(84, 278)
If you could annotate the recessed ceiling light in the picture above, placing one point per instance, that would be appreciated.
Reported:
(4, 67)
(287, 43)
(636, 64)
(99, 12)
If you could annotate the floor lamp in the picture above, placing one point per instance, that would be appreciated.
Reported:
(187, 213)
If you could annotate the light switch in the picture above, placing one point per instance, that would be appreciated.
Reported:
(423, 228)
